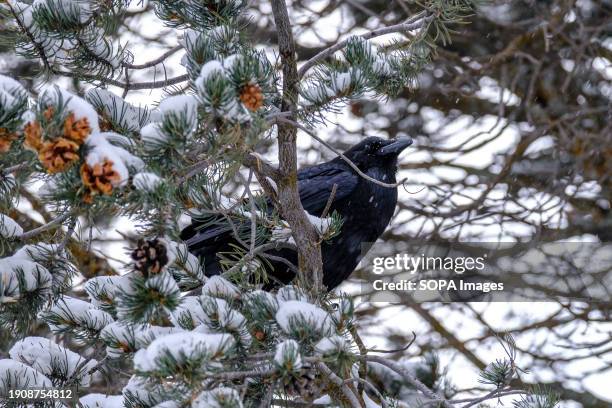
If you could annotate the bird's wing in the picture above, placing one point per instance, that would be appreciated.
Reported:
(315, 185)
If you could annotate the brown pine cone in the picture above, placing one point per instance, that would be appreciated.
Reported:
(48, 113)
(98, 179)
(33, 136)
(149, 257)
(76, 130)
(252, 97)
(58, 155)
(307, 386)
(6, 138)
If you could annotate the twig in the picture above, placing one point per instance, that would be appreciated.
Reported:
(410, 378)
(406, 347)
(125, 85)
(330, 200)
(348, 393)
(362, 382)
(363, 351)
(50, 225)
(15, 168)
(340, 154)
(156, 61)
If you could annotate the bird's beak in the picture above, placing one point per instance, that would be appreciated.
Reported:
(395, 146)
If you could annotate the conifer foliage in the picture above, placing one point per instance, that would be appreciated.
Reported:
(142, 334)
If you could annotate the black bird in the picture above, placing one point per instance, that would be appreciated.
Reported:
(365, 207)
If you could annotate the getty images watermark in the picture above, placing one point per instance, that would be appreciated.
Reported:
(448, 272)
(419, 264)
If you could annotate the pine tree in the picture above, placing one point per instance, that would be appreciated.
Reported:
(142, 337)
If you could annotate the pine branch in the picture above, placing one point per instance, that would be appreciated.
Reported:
(417, 21)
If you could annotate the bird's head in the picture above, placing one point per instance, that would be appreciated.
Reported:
(377, 152)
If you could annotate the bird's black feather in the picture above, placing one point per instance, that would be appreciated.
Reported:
(365, 207)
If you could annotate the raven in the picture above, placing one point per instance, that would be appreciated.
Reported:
(365, 207)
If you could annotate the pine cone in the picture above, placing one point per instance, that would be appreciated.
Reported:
(252, 97)
(105, 123)
(76, 130)
(33, 136)
(58, 155)
(98, 179)
(48, 113)
(6, 138)
(150, 257)
(307, 386)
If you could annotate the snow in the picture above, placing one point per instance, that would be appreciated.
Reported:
(101, 401)
(152, 136)
(129, 117)
(258, 298)
(382, 67)
(293, 314)
(24, 12)
(33, 275)
(182, 347)
(136, 390)
(11, 92)
(333, 344)
(217, 316)
(189, 308)
(39, 252)
(9, 227)
(180, 105)
(168, 404)
(164, 284)
(80, 107)
(146, 181)
(228, 62)
(287, 355)
(10, 86)
(101, 149)
(220, 397)
(321, 224)
(323, 400)
(80, 312)
(19, 375)
(220, 287)
(51, 359)
(189, 37)
(291, 292)
(186, 261)
(104, 289)
(79, 10)
(7, 101)
(282, 233)
(341, 82)
(230, 107)
(208, 69)
(128, 336)
(369, 403)
(218, 311)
